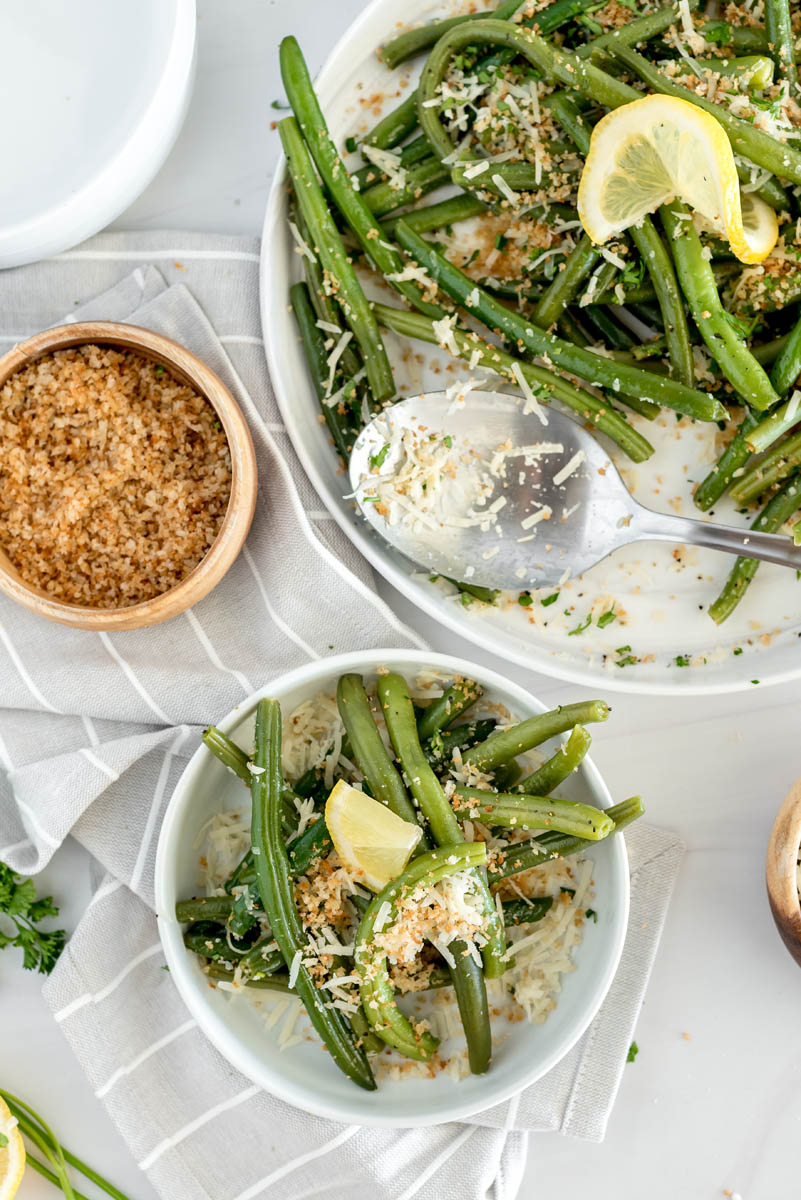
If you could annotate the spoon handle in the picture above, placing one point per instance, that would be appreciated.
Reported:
(770, 547)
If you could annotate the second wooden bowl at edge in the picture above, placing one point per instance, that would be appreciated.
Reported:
(781, 871)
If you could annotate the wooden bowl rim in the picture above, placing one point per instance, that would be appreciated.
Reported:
(244, 477)
(780, 870)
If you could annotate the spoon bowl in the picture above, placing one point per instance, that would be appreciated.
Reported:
(489, 493)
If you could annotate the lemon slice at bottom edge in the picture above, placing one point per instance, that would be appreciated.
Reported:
(374, 844)
(12, 1153)
(652, 150)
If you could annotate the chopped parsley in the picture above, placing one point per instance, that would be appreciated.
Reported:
(591, 915)
(580, 628)
(682, 660)
(568, 891)
(606, 618)
(737, 650)
(448, 440)
(350, 145)
(500, 241)
(524, 599)
(634, 1050)
(278, 104)
(546, 600)
(377, 459)
(624, 657)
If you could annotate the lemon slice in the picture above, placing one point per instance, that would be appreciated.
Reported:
(12, 1153)
(653, 150)
(374, 844)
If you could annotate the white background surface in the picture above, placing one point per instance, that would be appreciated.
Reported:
(721, 1110)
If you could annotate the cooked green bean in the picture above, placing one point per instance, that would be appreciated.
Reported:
(779, 28)
(469, 345)
(787, 367)
(209, 941)
(413, 41)
(522, 856)
(313, 128)
(275, 889)
(204, 908)
(442, 712)
(440, 747)
(422, 178)
(506, 744)
(325, 306)
(731, 353)
(395, 126)
(593, 367)
(732, 460)
(565, 285)
(640, 29)
(313, 843)
(340, 426)
(774, 426)
(370, 959)
(512, 810)
(415, 152)
(233, 757)
(613, 334)
(776, 466)
(434, 804)
(780, 508)
(327, 243)
(437, 216)
(369, 751)
(559, 766)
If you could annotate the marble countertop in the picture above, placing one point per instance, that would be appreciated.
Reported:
(713, 1101)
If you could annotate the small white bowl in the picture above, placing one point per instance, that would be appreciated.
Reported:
(304, 1075)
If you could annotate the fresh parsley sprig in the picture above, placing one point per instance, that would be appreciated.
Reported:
(19, 904)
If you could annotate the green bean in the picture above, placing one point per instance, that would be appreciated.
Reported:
(204, 908)
(736, 361)
(369, 751)
(589, 407)
(751, 38)
(775, 467)
(521, 856)
(415, 152)
(413, 41)
(787, 366)
(434, 804)
(755, 70)
(565, 284)
(301, 95)
(779, 28)
(774, 426)
(443, 711)
(506, 776)
(471, 998)
(732, 460)
(342, 433)
(641, 29)
(508, 743)
(612, 334)
(559, 766)
(779, 509)
(424, 177)
(437, 216)
(395, 126)
(631, 381)
(325, 306)
(328, 245)
(767, 352)
(234, 757)
(512, 810)
(275, 889)
(278, 982)
(370, 960)
(752, 143)
(209, 941)
(526, 912)
(440, 747)
(315, 842)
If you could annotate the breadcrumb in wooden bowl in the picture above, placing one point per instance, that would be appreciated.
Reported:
(128, 476)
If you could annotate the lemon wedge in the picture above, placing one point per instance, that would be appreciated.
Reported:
(12, 1153)
(374, 844)
(653, 150)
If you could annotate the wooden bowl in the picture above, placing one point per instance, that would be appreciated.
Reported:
(783, 854)
(244, 479)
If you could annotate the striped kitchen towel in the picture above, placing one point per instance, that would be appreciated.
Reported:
(95, 730)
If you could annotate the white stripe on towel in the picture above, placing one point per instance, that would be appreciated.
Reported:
(131, 677)
(300, 1161)
(96, 997)
(161, 783)
(198, 1123)
(214, 657)
(434, 1166)
(140, 1058)
(23, 674)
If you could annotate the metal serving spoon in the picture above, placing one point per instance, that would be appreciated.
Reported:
(546, 500)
